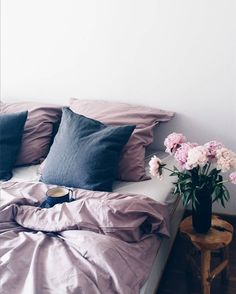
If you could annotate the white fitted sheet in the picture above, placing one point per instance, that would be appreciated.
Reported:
(152, 283)
(26, 174)
(159, 190)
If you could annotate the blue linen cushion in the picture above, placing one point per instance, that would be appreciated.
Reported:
(11, 130)
(85, 153)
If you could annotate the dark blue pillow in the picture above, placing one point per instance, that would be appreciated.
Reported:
(85, 153)
(11, 130)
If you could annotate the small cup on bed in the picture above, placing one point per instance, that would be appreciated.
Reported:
(55, 196)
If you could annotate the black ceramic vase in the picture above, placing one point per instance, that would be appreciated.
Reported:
(201, 214)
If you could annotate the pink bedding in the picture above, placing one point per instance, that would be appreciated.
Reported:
(100, 243)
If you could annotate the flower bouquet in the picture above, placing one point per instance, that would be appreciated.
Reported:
(198, 175)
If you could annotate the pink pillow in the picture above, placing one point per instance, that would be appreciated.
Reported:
(132, 165)
(38, 131)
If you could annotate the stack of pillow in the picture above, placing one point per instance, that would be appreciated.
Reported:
(96, 143)
(25, 141)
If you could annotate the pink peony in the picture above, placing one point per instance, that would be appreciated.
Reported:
(155, 166)
(181, 153)
(226, 159)
(232, 177)
(212, 147)
(173, 141)
(197, 156)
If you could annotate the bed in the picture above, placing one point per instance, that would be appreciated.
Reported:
(117, 235)
(160, 192)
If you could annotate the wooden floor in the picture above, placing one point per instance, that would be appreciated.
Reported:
(177, 279)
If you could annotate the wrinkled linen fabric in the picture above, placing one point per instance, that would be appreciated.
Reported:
(100, 243)
(39, 129)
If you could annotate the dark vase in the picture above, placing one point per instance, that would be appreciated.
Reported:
(201, 215)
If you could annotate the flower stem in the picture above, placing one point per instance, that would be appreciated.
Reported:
(169, 169)
(225, 181)
(207, 168)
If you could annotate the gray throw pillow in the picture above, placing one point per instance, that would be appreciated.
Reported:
(85, 153)
(11, 130)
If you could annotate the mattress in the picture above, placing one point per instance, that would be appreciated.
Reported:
(159, 190)
(176, 215)
(155, 188)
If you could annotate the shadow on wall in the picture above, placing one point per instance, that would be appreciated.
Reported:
(181, 123)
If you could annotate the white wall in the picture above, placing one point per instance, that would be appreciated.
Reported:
(173, 54)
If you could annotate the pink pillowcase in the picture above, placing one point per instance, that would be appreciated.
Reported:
(132, 165)
(38, 131)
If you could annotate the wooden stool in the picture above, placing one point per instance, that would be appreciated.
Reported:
(218, 237)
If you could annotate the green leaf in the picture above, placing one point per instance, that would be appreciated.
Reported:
(173, 174)
(222, 202)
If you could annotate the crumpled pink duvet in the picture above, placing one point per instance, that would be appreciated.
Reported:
(100, 243)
